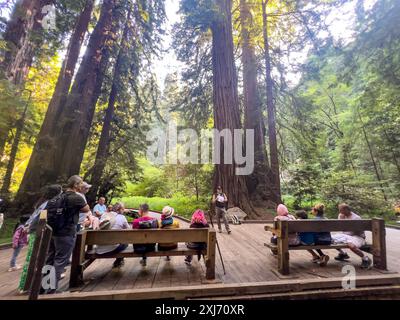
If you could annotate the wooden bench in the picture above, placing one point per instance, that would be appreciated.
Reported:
(83, 255)
(282, 229)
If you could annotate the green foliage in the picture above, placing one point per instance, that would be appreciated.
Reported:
(183, 205)
(6, 232)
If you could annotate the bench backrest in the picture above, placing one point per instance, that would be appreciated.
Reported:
(327, 225)
(108, 237)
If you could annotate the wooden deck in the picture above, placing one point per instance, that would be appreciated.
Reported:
(246, 260)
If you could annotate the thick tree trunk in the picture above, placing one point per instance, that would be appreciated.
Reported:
(60, 154)
(81, 102)
(64, 80)
(5, 189)
(273, 145)
(226, 105)
(258, 183)
(104, 142)
(22, 39)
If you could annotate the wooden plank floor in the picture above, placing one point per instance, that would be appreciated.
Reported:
(245, 257)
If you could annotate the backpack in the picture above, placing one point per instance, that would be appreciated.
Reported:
(148, 224)
(143, 248)
(57, 217)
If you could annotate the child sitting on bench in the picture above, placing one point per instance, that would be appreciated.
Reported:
(168, 222)
(316, 238)
(198, 221)
(283, 215)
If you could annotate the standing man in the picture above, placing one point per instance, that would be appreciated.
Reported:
(100, 207)
(220, 199)
(64, 232)
(354, 240)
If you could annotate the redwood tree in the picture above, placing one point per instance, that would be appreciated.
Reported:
(258, 183)
(273, 145)
(104, 142)
(22, 39)
(226, 103)
(61, 150)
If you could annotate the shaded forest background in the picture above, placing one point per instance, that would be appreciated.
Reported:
(80, 99)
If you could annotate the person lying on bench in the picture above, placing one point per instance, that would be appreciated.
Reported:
(354, 240)
(114, 220)
(144, 222)
(283, 215)
(168, 222)
(198, 221)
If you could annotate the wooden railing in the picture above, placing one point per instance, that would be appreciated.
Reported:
(33, 281)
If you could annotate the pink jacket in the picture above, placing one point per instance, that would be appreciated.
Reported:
(20, 238)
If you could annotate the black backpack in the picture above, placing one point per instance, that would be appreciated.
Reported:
(148, 224)
(57, 217)
(149, 247)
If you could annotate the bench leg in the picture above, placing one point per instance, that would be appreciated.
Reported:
(379, 244)
(210, 262)
(76, 277)
(283, 249)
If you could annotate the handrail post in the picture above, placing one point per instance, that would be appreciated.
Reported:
(379, 243)
(283, 247)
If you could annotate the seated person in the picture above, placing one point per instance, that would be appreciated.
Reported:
(116, 221)
(283, 215)
(100, 207)
(355, 240)
(144, 222)
(198, 221)
(168, 222)
(317, 238)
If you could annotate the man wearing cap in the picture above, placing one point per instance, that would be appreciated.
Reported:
(86, 219)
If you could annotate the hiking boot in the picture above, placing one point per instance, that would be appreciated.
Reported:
(366, 263)
(323, 261)
(342, 257)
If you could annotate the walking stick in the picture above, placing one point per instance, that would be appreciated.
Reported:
(216, 241)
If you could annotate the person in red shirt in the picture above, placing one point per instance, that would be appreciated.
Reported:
(144, 222)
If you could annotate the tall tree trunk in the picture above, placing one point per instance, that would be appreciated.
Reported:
(64, 80)
(22, 39)
(226, 105)
(273, 145)
(258, 183)
(81, 103)
(104, 142)
(378, 176)
(5, 189)
(62, 153)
